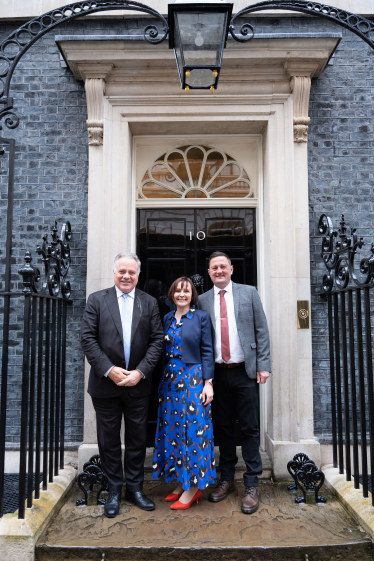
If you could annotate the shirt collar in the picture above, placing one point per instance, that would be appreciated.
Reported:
(120, 293)
(228, 288)
(188, 315)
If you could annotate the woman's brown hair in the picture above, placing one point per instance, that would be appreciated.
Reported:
(184, 281)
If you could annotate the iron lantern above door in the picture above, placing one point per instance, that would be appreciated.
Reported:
(198, 35)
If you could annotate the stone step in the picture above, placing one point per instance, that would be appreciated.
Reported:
(279, 531)
(267, 467)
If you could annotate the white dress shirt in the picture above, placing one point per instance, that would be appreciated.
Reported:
(236, 351)
(131, 307)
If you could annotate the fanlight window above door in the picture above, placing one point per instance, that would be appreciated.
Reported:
(195, 172)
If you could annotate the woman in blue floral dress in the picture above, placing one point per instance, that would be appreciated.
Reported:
(184, 448)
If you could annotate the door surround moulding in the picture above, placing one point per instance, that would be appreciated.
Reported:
(288, 411)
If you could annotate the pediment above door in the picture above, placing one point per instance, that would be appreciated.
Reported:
(264, 66)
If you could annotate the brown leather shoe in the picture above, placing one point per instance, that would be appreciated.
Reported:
(251, 500)
(223, 489)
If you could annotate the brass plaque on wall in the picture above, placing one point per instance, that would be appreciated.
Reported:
(303, 314)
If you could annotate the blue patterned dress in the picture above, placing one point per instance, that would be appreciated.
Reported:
(184, 448)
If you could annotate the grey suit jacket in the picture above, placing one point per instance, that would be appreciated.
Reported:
(251, 325)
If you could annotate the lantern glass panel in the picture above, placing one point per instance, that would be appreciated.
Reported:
(199, 37)
(200, 77)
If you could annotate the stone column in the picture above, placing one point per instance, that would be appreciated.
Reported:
(300, 86)
(94, 77)
(300, 399)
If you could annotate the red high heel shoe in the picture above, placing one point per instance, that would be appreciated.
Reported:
(181, 506)
(173, 497)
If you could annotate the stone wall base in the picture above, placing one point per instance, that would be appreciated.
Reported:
(361, 509)
(281, 452)
(18, 537)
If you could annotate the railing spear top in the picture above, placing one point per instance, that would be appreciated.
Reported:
(339, 258)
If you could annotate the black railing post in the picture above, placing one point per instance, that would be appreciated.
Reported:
(4, 396)
(39, 397)
(338, 384)
(24, 406)
(369, 366)
(332, 382)
(58, 382)
(52, 391)
(63, 375)
(46, 390)
(6, 317)
(352, 368)
(361, 385)
(346, 389)
(30, 467)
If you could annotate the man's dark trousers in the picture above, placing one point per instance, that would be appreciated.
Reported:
(109, 412)
(237, 396)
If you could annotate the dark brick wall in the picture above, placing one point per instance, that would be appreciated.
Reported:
(341, 174)
(51, 176)
(50, 183)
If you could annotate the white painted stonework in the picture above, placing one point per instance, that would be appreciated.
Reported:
(144, 106)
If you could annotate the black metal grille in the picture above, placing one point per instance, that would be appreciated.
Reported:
(348, 287)
(11, 488)
(42, 384)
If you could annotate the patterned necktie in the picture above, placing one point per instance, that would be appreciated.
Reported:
(225, 340)
(126, 326)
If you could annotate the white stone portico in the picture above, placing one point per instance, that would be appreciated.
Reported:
(133, 92)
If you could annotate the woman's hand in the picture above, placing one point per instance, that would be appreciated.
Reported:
(207, 393)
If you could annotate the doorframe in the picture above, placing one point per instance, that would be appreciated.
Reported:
(255, 202)
(285, 241)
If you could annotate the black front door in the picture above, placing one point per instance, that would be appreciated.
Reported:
(178, 242)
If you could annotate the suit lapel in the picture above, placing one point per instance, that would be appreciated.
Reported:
(210, 296)
(137, 312)
(236, 298)
(112, 303)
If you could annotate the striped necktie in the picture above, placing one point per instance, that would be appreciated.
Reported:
(126, 326)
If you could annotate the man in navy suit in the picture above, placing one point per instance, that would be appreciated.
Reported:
(242, 362)
(122, 338)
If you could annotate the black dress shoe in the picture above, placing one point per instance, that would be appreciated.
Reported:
(140, 499)
(111, 507)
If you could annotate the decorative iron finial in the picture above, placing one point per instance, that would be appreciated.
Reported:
(56, 259)
(30, 275)
(340, 260)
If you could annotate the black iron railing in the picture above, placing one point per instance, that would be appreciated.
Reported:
(43, 304)
(349, 293)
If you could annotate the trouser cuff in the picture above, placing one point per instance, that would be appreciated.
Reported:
(133, 488)
(115, 488)
(251, 482)
(227, 476)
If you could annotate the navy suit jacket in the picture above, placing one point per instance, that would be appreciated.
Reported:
(102, 341)
(197, 344)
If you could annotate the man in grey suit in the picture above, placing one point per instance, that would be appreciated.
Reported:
(242, 357)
